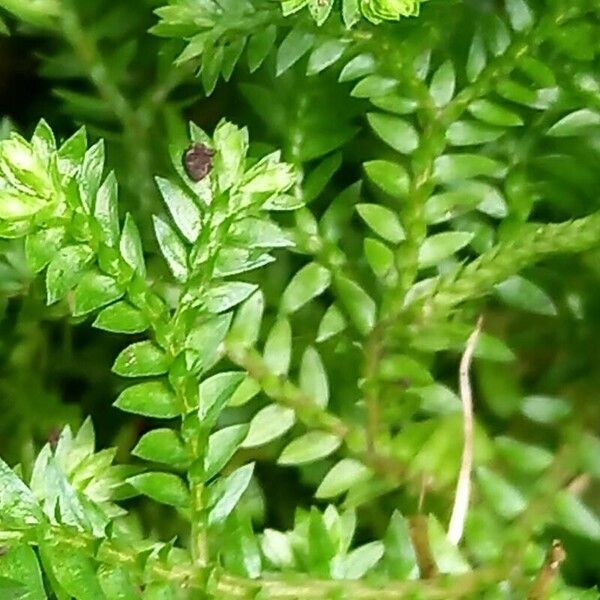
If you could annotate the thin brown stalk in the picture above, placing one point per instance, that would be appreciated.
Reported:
(543, 582)
(419, 536)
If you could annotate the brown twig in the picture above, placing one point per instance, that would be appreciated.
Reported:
(579, 484)
(541, 587)
(463, 486)
(418, 527)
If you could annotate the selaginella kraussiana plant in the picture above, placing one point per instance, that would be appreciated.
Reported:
(477, 108)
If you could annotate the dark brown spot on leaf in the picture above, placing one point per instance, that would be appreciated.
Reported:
(198, 161)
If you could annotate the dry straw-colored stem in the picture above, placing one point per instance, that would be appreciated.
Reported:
(463, 486)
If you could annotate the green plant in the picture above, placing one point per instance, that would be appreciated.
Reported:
(268, 270)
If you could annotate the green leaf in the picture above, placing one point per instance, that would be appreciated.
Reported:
(106, 210)
(572, 514)
(321, 546)
(20, 564)
(141, 360)
(12, 590)
(519, 14)
(446, 555)
(325, 54)
(391, 177)
(269, 175)
(497, 35)
(222, 445)
(437, 399)
(382, 221)
(226, 493)
(245, 392)
(395, 103)
(341, 477)
(131, 246)
(259, 233)
(165, 488)
(259, 46)
(241, 552)
(503, 498)
(204, 343)
(164, 446)
(66, 269)
(41, 247)
(452, 167)
(93, 291)
(320, 10)
(356, 563)
(471, 133)
(91, 173)
(182, 207)
(518, 292)
(224, 296)
(269, 423)
(231, 56)
(522, 457)
(477, 58)
(151, 399)
(448, 205)
(18, 506)
(589, 454)
(277, 548)
(278, 347)
(215, 392)
(422, 63)
(332, 323)
(319, 177)
(116, 583)
(578, 122)
(379, 257)
(310, 281)
(399, 556)
(309, 447)
(442, 84)
(359, 66)
(246, 325)
(231, 144)
(43, 140)
(360, 306)
(295, 45)
(233, 261)
(313, 377)
(121, 317)
(400, 367)
(211, 68)
(545, 409)
(494, 114)
(73, 570)
(442, 245)
(73, 148)
(374, 85)
(283, 202)
(172, 249)
(289, 7)
(396, 132)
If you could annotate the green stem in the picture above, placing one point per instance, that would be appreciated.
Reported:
(136, 124)
(308, 412)
(507, 258)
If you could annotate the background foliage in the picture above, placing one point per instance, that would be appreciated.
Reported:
(283, 416)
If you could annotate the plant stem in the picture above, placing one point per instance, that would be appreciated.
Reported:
(308, 411)
(135, 127)
(536, 242)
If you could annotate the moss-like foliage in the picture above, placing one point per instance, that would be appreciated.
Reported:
(285, 304)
